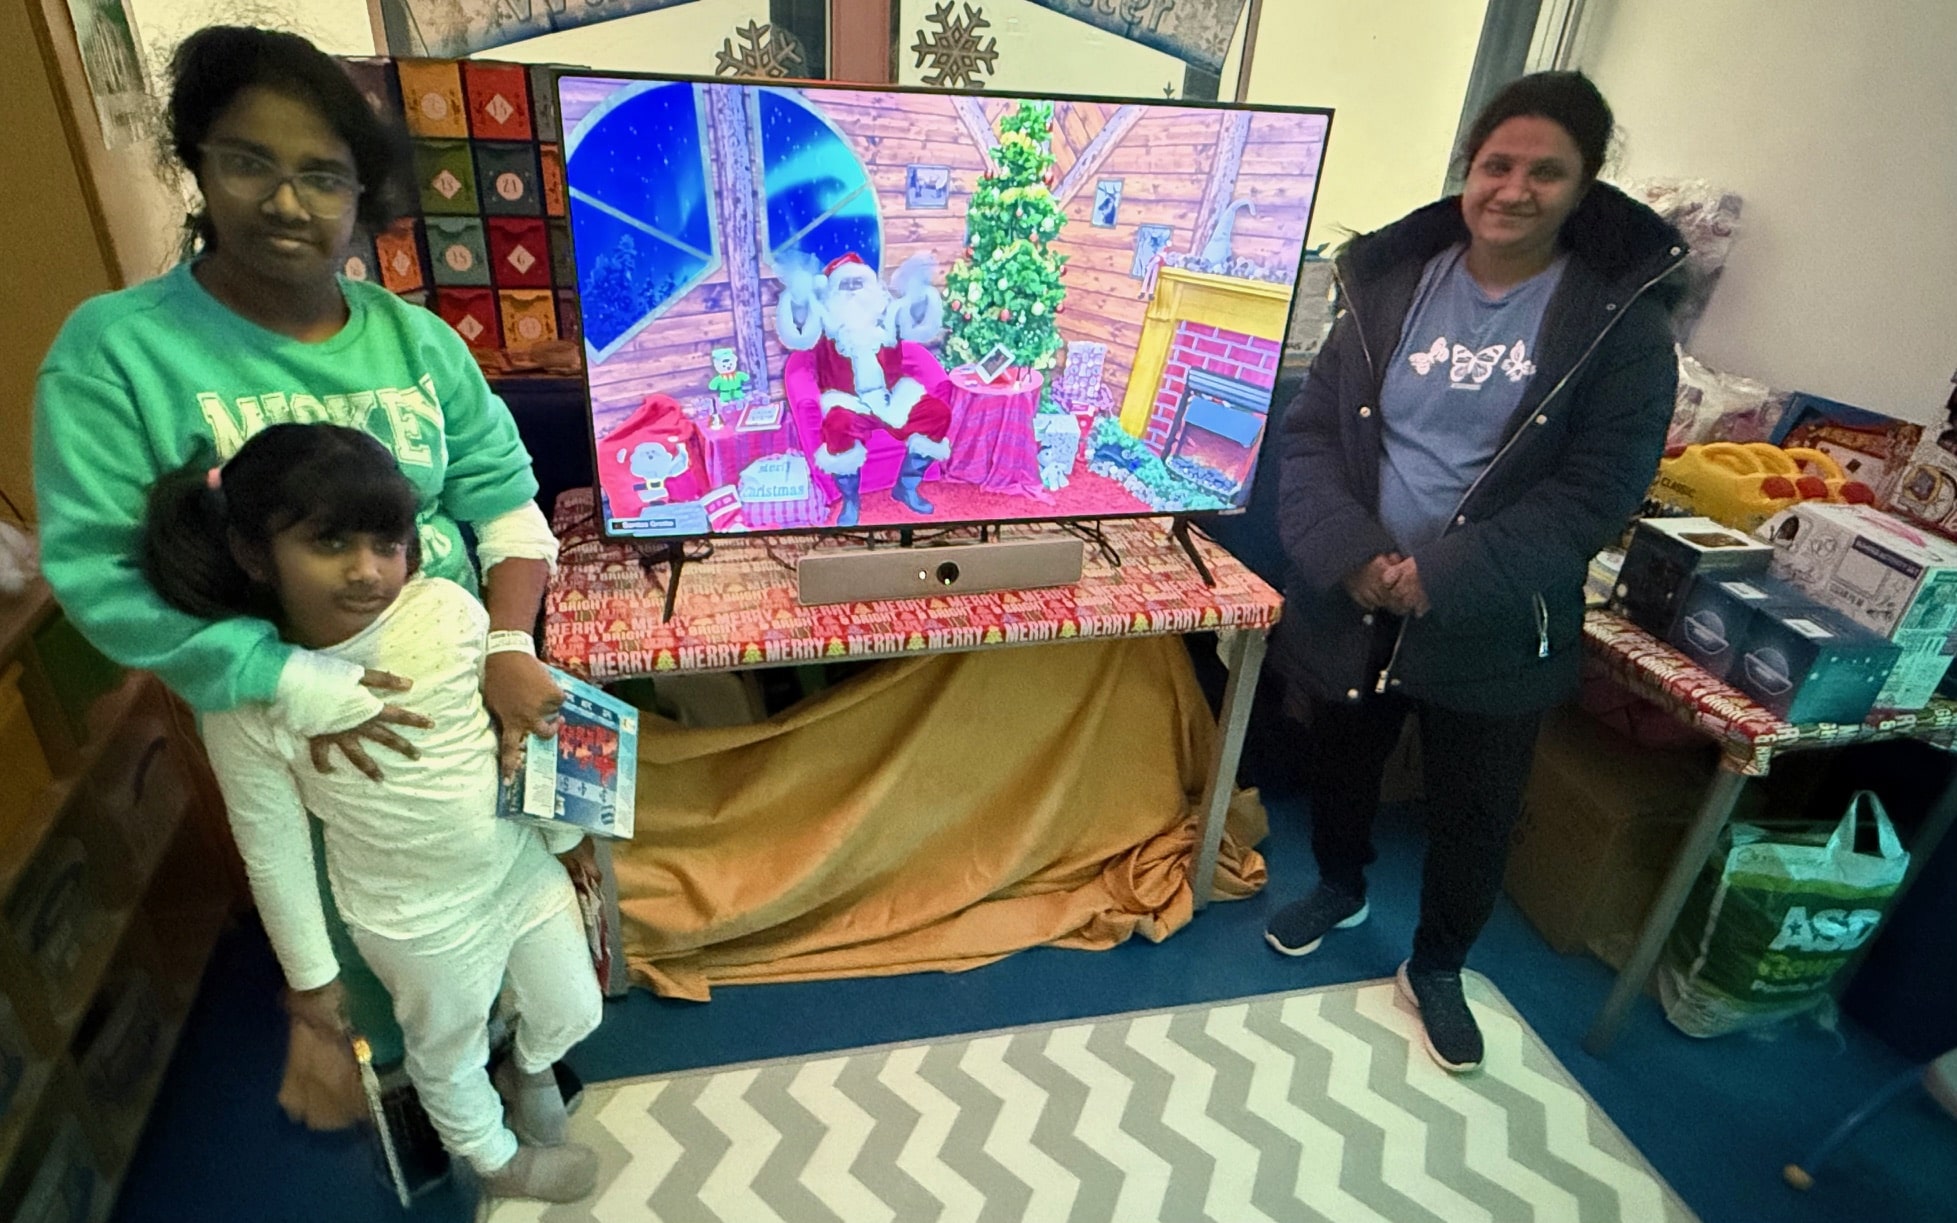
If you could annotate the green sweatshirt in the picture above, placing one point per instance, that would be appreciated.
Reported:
(143, 381)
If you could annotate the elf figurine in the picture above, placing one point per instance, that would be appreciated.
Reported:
(729, 380)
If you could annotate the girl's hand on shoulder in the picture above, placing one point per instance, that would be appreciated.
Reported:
(524, 701)
(377, 729)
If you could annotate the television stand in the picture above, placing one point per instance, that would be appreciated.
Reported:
(1179, 532)
(673, 556)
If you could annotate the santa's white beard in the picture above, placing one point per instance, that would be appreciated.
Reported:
(856, 327)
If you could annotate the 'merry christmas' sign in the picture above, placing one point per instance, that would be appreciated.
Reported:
(1195, 31)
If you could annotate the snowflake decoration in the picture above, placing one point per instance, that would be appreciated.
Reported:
(766, 51)
(954, 49)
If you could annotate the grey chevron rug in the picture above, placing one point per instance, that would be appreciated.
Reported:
(1305, 1106)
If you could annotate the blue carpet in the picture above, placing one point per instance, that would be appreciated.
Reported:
(1718, 1119)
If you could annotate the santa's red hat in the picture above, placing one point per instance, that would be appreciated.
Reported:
(841, 261)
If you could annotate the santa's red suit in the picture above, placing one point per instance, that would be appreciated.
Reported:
(913, 408)
(916, 413)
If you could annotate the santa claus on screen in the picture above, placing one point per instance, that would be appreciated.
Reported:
(856, 328)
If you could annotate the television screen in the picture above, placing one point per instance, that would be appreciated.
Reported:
(821, 307)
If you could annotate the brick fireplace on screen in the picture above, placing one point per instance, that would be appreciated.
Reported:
(1211, 405)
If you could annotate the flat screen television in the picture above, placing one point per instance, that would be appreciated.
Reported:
(817, 306)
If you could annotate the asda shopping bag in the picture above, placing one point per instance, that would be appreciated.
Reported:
(1771, 922)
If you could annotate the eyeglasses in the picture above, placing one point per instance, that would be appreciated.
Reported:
(248, 178)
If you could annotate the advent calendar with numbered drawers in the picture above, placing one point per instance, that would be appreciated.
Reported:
(487, 245)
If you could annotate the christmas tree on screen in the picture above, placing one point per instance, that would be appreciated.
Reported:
(1006, 289)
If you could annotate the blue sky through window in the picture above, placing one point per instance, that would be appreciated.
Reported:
(819, 199)
(641, 211)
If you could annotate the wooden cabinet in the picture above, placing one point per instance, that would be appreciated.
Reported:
(115, 878)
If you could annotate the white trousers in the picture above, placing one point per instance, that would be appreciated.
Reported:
(529, 940)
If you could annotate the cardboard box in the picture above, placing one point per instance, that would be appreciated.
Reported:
(1926, 490)
(1806, 662)
(1869, 446)
(1664, 556)
(1600, 821)
(1810, 663)
(1715, 618)
(1885, 574)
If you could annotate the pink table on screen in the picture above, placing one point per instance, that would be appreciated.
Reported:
(730, 451)
(992, 442)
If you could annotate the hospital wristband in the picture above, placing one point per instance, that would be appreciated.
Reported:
(511, 641)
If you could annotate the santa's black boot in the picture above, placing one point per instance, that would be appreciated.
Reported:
(848, 485)
(905, 494)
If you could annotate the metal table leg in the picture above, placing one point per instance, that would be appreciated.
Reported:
(619, 980)
(1245, 658)
(1714, 810)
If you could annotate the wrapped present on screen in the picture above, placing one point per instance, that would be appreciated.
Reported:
(655, 457)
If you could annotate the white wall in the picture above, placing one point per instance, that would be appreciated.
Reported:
(1396, 72)
(1838, 125)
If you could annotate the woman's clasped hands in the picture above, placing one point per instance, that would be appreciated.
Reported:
(1389, 582)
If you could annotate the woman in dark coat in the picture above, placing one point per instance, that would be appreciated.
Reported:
(1486, 414)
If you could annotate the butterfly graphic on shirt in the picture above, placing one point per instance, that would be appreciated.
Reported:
(1424, 361)
(1518, 366)
(1468, 368)
(1472, 366)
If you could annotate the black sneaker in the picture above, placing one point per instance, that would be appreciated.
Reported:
(1299, 927)
(1447, 1026)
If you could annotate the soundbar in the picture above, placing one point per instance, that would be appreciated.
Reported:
(915, 573)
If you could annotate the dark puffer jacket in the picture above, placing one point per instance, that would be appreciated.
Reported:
(1506, 579)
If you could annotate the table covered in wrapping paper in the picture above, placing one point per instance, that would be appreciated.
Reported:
(1749, 735)
(938, 812)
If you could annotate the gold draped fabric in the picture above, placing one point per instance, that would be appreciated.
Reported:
(932, 813)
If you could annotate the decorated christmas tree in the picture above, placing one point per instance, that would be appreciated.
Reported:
(1006, 289)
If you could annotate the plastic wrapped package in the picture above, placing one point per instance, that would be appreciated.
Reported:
(1716, 407)
(1708, 217)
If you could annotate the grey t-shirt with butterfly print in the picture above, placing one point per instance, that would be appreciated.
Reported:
(1461, 368)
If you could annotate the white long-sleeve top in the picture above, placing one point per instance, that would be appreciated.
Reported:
(318, 694)
(413, 855)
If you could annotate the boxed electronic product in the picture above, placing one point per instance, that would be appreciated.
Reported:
(1885, 574)
(1810, 663)
(1666, 553)
(1716, 615)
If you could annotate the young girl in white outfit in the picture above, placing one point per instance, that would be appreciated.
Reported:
(313, 528)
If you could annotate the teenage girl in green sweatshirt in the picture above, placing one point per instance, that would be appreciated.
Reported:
(254, 329)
